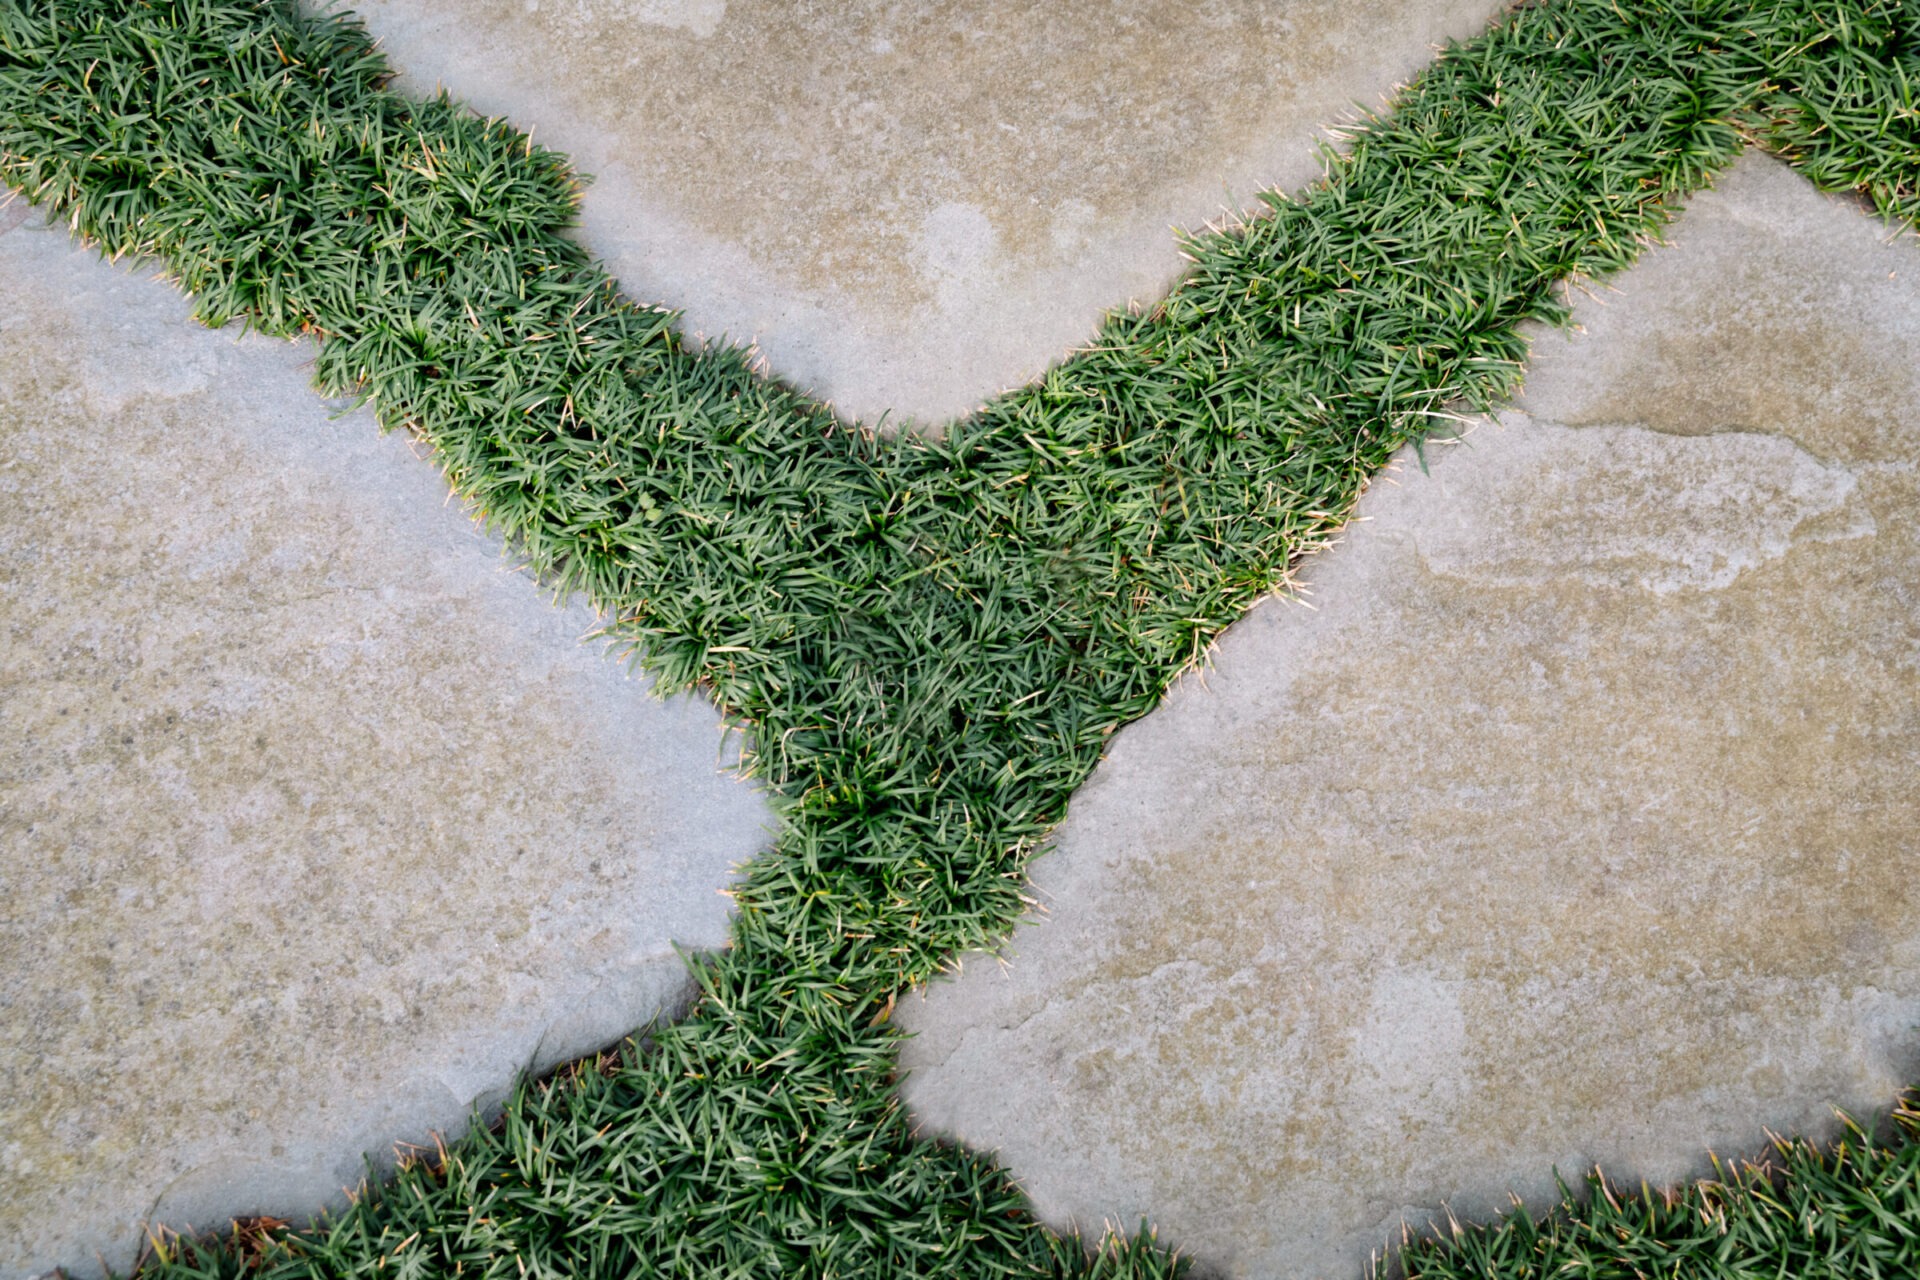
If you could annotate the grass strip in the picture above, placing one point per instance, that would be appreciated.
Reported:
(930, 639)
(1803, 1211)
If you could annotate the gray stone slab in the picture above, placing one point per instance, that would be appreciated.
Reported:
(912, 206)
(317, 820)
(1569, 816)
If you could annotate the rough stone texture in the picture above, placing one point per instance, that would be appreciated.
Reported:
(1574, 822)
(913, 205)
(317, 820)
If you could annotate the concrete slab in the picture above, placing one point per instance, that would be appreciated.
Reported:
(1573, 822)
(913, 206)
(317, 821)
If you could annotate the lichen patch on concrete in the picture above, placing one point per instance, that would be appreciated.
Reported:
(318, 822)
(913, 206)
(1569, 816)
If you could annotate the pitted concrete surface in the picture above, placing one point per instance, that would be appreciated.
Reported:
(1574, 822)
(911, 206)
(317, 820)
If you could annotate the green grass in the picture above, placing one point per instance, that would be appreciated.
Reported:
(1804, 1212)
(930, 639)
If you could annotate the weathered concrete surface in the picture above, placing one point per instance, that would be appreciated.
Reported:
(912, 206)
(317, 821)
(1575, 822)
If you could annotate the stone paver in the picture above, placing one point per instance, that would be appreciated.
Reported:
(317, 820)
(913, 205)
(1574, 822)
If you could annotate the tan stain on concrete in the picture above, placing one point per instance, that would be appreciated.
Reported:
(1575, 822)
(912, 206)
(317, 822)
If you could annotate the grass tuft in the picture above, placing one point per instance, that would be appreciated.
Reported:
(1804, 1211)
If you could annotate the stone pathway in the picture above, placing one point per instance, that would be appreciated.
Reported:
(1570, 818)
(913, 206)
(1571, 824)
(317, 821)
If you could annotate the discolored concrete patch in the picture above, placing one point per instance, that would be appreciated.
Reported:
(1573, 822)
(317, 821)
(913, 206)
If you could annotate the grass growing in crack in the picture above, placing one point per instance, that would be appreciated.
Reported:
(930, 639)
(1804, 1211)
